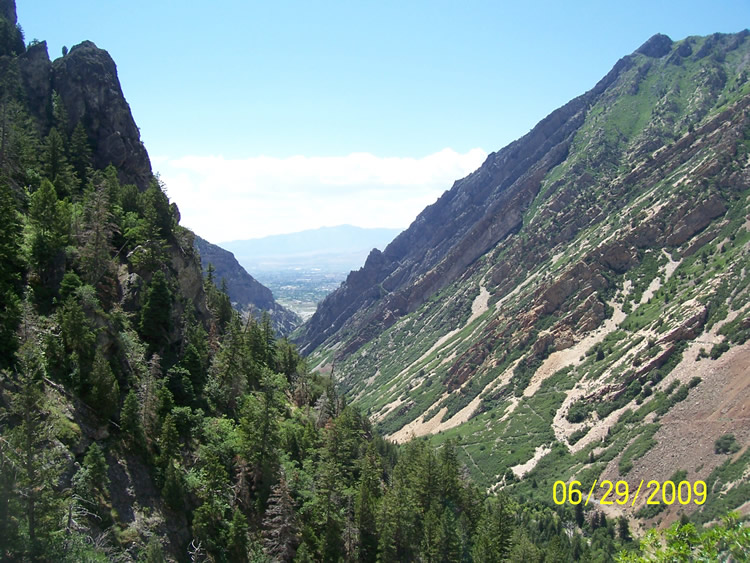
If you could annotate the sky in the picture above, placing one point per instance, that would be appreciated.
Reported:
(273, 117)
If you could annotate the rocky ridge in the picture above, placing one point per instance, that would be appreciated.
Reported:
(551, 306)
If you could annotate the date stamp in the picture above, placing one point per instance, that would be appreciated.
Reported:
(656, 492)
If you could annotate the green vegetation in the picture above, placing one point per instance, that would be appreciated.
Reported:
(726, 444)
(728, 541)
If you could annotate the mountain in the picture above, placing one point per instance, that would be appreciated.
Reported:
(340, 248)
(246, 293)
(141, 418)
(578, 307)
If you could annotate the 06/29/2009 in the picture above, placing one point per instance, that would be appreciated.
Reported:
(656, 492)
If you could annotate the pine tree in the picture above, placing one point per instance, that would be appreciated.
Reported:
(494, 531)
(173, 491)
(130, 420)
(50, 221)
(96, 238)
(156, 315)
(260, 431)
(237, 543)
(280, 525)
(11, 268)
(56, 167)
(91, 483)
(431, 531)
(105, 391)
(169, 442)
(449, 542)
(79, 343)
(34, 454)
(80, 155)
(367, 504)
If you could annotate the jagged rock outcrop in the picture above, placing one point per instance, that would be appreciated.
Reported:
(468, 220)
(86, 80)
(482, 209)
(36, 78)
(245, 292)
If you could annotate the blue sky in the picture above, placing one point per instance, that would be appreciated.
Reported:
(273, 117)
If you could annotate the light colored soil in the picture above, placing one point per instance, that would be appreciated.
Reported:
(523, 468)
(516, 290)
(420, 427)
(382, 413)
(478, 307)
(571, 356)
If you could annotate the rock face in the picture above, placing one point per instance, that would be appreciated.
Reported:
(36, 77)
(468, 220)
(86, 80)
(487, 206)
(246, 293)
(558, 297)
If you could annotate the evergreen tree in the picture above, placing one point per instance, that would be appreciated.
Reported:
(91, 480)
(280, 525)
(34, 454)
(80, 155)
(260, 431)
(105, 391)
(130, 420)
(156, 315)
(56, 167)
(173, 491)
(96, 238)
(79, 344)
(237, 544)
(494, 531)
(50, 221)
(169, 442)
(59, 117)
(11, 268)
(367, 504)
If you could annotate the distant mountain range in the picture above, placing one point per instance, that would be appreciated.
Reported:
(340, 248)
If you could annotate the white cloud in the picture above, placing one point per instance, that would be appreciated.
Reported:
(223, 199)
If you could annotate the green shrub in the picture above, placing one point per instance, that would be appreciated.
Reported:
(726, 444)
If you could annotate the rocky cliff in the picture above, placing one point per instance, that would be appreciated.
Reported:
(86, 80)
(246, 293)
(469, 219)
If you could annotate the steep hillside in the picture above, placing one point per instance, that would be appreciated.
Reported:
(247, 294)
(578, 306)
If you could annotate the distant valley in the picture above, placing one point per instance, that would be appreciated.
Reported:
(302, 268)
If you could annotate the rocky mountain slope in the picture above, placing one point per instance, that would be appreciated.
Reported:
(247, 294)
(577, 308)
